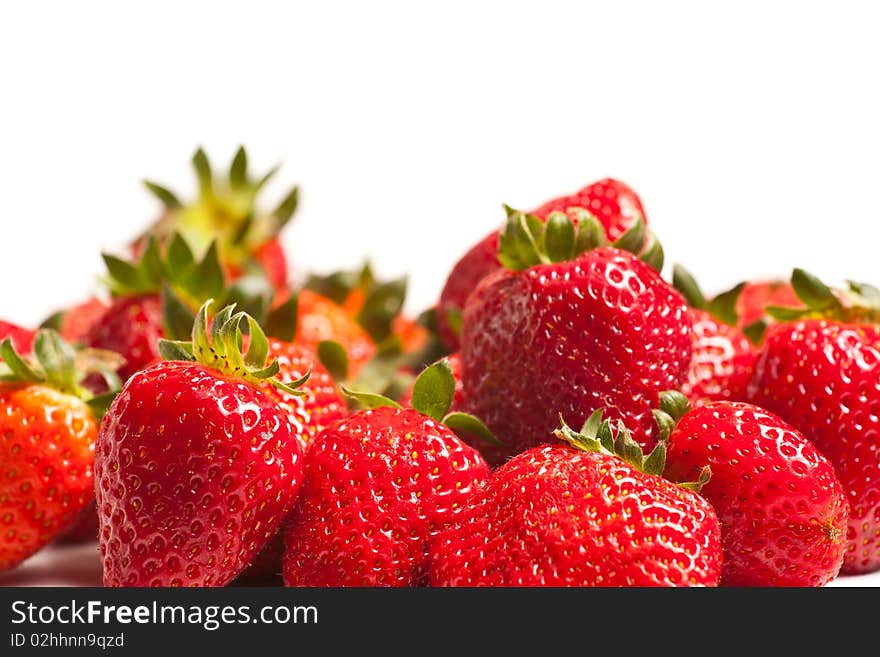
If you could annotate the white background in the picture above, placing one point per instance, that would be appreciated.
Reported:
(750, 130)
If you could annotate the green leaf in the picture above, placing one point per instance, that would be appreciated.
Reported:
(205, 177)
(251, 293)
(592, 424)
(151, 266)
(369, 399)
(57, 359)
(175, 350)
(868, 294)
(518, 242)
(464, 424)
(434, 390)
(100, 404)
(334, 358)
(703, 479)
(785, 314)
(633, 240)
(606, 437)
(813, 292)
(723, 306)
(20, 368)
(665, 424)
(165, 196)
(559, 237)
(258, 349)
(124, 276)
(674, 404)
(381, 306)
(177, 318)
(284, 212)
(590, 232)
(281, 321)
(266, 178)
(238, 169)
(54, 321)
(684, 282)
(653, 254)
(453, 320)
(755, 331)
(179, 259)
(206, 280)
(655, 462)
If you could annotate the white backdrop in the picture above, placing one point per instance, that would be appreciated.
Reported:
(750, 131)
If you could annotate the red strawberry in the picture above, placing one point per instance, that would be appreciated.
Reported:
(589, 329)
(48, 425)
(613, 203)
(579, 515)
(226, 211)
(195, 465)
(74, 323)
(131, 326)
(757, 295)
(782, 510)
(821, 376)
(722, 362)
(379, 485)
(22, 338)
(319, 403)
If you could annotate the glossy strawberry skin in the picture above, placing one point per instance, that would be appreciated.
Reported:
(601, 331)
(378, 487)
(46, 454)
(782, 510)
(722, 363)
(556, 516)
(193, 473)
(79, 319)
(320, 406)
(615, 205)
(131, 327)
(22, 338)
(823, 377)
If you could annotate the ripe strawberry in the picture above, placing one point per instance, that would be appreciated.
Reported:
(613, 203)
(378, 486)
(320, 319)
(226, 211)
(572, 331)
(820, 375)
(195, 465)
(757, 295)
(581, 515)
(131, 326)
(782, 510)
(48, 424)
(723, 357)
(22, 338)
(74, 323)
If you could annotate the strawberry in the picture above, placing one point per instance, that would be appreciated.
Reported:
(22, 338)
(454, 362)
(723, 357)
(195, 465)
(157, 296)
(591, 513)
(226, 210)
(75, 322)
(818, 370)
(378, 486)
(572, 329)
(782, 510)
(48, 426)
(757, 295)
(612, 202)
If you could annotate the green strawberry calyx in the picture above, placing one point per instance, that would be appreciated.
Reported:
(383, 300)
(433, 394)
(614, 439)
(57, 364)
(219, 346)
(225, 207)
(600, 435)
(526, 241)
(184, 281)
(858, 302)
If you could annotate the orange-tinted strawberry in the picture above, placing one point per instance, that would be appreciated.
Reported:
(581, 515)
(616, 206)
(195, 465)
(572, 330)
(378, 486)
(47, 438)
(782, 510)
(226, 211)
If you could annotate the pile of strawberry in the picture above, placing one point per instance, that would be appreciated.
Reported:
(562, 416)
